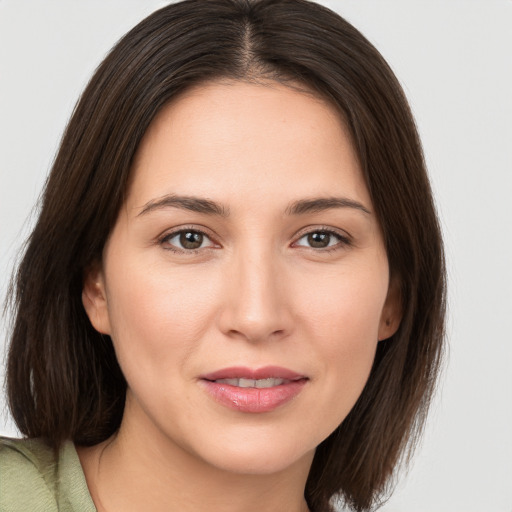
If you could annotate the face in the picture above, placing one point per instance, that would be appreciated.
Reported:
(245, 284)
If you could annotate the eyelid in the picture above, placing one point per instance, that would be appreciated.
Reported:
(345, 239)
(167, 235)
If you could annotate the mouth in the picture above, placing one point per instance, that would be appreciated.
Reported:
(252, 383)
(253, 391)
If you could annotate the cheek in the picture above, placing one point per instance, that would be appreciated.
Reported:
(156, 318)
(344, 321)
(347, 303)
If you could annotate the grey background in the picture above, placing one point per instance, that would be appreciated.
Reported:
(454, 59)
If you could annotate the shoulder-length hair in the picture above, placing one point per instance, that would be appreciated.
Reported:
(63, 379)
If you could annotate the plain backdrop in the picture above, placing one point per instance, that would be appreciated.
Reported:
(454, 59)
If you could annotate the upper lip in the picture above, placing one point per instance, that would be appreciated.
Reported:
(241, 372)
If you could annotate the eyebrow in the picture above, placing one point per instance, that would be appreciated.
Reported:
(208, 207)
(320, 204)
(191, 203)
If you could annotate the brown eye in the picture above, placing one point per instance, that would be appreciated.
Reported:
(186, 240)
(322, 239)
(191, 239)
(319, 239)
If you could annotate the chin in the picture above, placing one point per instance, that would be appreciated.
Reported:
(262, 463)
(256, 456)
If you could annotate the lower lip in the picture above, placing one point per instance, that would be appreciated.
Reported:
(253, 400)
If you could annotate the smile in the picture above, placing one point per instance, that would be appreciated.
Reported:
(253, 391)
(252, 383)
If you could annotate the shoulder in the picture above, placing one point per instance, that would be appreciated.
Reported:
(33, 477)
(26, 466)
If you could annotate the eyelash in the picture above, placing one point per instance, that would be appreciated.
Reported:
(343, 241)
(169, 236)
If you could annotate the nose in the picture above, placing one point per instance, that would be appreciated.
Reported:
(256, 306)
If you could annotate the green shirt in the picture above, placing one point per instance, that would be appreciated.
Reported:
(31, 480)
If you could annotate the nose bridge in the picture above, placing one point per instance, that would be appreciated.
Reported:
(256, 307)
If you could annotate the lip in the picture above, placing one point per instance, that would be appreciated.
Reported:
(267, 372)
(253, 400)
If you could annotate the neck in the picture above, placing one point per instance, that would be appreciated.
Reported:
(139, 469)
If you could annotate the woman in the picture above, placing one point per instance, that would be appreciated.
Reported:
(233, 298)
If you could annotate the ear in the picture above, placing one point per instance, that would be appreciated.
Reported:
(94, 298)
(392, 311)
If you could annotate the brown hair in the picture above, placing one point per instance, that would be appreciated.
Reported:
(63, 379)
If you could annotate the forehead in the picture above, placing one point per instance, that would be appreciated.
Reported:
(236, 138)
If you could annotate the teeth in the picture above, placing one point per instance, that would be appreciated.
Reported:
(252, 383)
(231, 382)
(247, 383)
(268, 383)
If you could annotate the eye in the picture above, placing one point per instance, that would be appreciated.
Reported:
(187, 240)
(322, 239)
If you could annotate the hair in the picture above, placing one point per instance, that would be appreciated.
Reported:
(63, 379)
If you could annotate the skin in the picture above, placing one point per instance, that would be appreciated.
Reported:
(255, 293)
